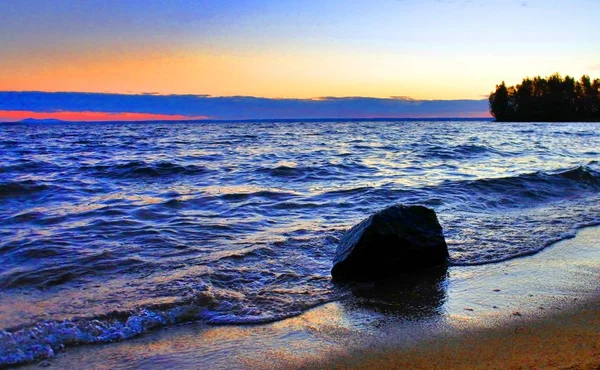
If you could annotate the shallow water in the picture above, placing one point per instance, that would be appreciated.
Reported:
(137, 226)
(504, 299)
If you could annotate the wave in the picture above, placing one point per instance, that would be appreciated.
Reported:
(141, 169)
(589, 174)
(46, 275)
(265, 194)
(45, 338)
(465, 151)
(324, 171)
(42, 340)
(28, 166)
(19, 188)
(493, 220)
(514, 191)
(532, 188)
(288, 171)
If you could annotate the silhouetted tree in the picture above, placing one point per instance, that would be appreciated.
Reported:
(595, 99)
(499, 103)
(551, 99)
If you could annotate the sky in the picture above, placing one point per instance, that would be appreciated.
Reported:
(396, 51)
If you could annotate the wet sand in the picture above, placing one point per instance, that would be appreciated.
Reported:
(570, 340)
(540, 311)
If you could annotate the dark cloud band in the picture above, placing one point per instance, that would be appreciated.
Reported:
(239, 107)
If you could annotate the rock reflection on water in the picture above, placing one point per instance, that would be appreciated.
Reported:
(407, 296)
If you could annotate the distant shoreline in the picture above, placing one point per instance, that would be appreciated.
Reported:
(291, 120)
(549, 99)
(547, 121)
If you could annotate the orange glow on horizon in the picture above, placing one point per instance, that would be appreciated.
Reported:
(271, 74)
(12, 116)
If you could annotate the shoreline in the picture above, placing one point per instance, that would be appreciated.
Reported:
(541, 310)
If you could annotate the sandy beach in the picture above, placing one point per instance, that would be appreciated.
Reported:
(534, 312)
(569, 340)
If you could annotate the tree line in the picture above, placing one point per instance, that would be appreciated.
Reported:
(551, 99)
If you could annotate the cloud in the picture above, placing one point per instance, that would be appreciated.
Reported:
(595, 67)
(239, 107)
(405, 98)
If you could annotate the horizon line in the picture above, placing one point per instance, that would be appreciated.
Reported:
(250, 120)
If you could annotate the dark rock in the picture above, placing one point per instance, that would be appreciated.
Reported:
(396, 240)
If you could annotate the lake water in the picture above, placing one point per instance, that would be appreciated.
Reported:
(111, 230)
